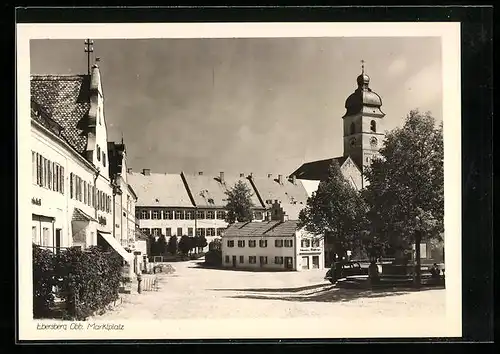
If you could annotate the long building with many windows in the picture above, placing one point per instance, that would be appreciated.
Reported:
(194, 204)
(73, 188)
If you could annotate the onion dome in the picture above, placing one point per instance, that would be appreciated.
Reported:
(362, 97)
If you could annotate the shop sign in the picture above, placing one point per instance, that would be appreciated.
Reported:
(36, 201)
(102, 220)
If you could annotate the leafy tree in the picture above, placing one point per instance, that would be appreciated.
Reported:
(161, 245)
(239, 203)
(186, 244)
(406, 185)
(201, 242)
(215, 244)
(336, 212)
(172, 245)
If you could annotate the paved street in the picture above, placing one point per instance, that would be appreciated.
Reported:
(195, 292)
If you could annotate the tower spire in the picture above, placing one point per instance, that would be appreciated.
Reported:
(89, 48)
(362, 66)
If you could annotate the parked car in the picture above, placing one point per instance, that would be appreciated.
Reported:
(341, 270)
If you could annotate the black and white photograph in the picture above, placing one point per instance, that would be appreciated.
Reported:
(197, 181)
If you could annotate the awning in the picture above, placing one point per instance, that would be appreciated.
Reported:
(80, 215)
(129, 257)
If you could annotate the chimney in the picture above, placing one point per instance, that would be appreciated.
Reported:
(129, 170)
(280, 179)
(269, 175)
(242, 175)
(146, 171)
(200, 173)
(251, 175)
(294, 180)
(222, 177)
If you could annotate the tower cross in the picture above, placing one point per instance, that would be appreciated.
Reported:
(89, 49)
(362, 66)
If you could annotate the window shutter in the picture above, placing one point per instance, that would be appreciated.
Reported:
(71, 185)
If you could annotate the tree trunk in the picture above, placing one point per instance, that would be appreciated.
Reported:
(418, 238)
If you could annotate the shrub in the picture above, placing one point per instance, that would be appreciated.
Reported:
(43, 281)
(90, 280)
(213, 258)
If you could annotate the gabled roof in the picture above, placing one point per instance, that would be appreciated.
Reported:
(270, 189)
(80, 215)
(159, 189)
(264, 228)
(206, 191)
(66, 100)
(317, 170)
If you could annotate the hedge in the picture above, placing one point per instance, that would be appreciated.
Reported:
(43, 282)
(87, 281)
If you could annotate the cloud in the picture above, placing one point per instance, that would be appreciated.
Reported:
(397, 67)
(425, 87)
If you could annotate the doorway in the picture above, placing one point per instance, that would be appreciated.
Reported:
(234, 261)
(58, 240)
(288, 262)
(305, 262)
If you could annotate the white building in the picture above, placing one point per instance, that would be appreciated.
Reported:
(71, 190)
(277, 244)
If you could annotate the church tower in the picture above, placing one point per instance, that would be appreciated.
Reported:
(363, 123)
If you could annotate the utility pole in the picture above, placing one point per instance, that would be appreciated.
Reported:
(89, 48)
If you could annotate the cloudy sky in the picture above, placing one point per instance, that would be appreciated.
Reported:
(245, 105)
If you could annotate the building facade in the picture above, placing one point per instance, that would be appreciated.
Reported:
(276, 244)
(72, 193)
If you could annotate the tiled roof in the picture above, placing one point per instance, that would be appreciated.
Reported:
(288, 193)
(206, 191)
(80, 215)
(159, 189)
(264, 228)
(66, 99)
(317, 170)
(230, 182)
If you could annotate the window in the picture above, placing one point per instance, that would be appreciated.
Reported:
(210, 214)
(263, 243)
(145, 214)
(241, 243)
(71, 185)
(179, 231)
(252, 259)
(46, 237)
(230, 243)
(220, 230)
(315, 262)
(104, 159)
(167, 214)
(227, 259)
(263, 260)
(145, 230)
(352, 129)
(315, 242)
(168, 232)
(156, 231)
(200, 232)
(156, 215)
(200, 214)
(98, 153)
(210, 231)
(252, 243)
(278, 243)
(373, 126)
(304, 243)
(288, 243)
(189, 215)
(278, 260)
(221, 214)
(179, 214)
(33, 167)
(190, 231)
(242, 259)
(34, 234)
(258, 215)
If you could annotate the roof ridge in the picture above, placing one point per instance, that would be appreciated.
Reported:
(72, 77)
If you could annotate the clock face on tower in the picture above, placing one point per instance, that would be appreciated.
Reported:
(373, 142)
